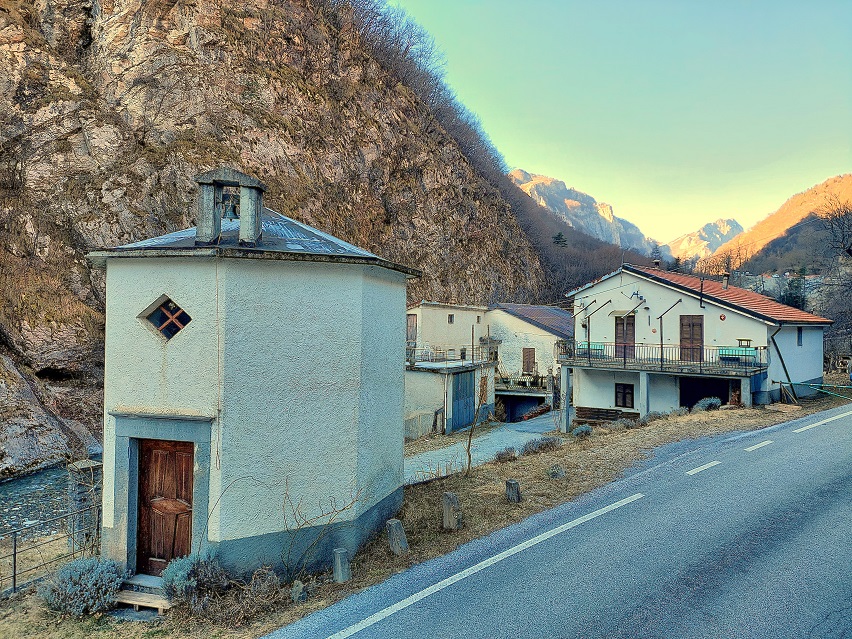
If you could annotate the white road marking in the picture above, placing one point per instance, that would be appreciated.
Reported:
(825, 421)
(704, 467)
(760, 445)
(482, 565)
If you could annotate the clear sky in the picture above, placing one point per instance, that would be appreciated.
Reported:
(676, 112)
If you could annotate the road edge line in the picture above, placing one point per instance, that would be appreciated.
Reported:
(482, 565)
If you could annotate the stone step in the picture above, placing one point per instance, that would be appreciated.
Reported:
(143, 600)
(144, 583)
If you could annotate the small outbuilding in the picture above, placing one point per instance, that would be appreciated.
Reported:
(253, 394)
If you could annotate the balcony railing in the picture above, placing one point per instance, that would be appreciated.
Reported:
(707, 360)
(460, 354)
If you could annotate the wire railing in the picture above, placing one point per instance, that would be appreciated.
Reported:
(725, 360)
(30, 558)
(444, 353)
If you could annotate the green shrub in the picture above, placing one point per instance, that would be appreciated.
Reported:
(621, 423)
(581, 432)
(506, 455)
(195, 580)
(83, 586)
(541, 445)
(708, 403)
(556, 471)
(679, 412)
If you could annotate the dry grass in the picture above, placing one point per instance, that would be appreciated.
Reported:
(589, 464)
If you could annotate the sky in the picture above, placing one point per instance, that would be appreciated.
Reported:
(675, 112)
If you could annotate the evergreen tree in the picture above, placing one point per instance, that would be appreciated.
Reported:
(559, 239)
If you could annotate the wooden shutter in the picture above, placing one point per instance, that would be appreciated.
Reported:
(529, 361)
(692, 338)
(625, 336)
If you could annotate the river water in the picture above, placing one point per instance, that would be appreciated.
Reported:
(32, 499)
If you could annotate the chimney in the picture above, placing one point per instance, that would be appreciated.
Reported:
(657, 263)
(725, 278)
(230, 194)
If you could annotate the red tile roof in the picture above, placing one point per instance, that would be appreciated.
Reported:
(747, 301)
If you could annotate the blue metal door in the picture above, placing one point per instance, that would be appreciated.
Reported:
(464, 399)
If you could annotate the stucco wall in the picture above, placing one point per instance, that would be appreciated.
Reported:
(804, 363)
(143, 372)
(433, 329)
(516, 335)
(294, 384)
(424, 392)
(664, 393)
(596, 388)
(380, 434)
(298, 367)
(624, 290)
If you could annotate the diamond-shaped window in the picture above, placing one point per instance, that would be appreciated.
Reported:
(169, 318)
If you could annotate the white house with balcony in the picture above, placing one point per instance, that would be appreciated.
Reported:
(647, 339)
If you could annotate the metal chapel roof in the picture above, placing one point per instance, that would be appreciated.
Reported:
(282, 236)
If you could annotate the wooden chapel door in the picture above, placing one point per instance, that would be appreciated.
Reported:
(165, 504)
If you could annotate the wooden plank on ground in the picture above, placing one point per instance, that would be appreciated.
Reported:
(144, 599)
(784, 408)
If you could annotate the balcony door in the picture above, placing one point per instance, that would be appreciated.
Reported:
(692, 338)
(625, 336)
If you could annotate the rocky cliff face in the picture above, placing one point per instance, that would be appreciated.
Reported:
(791, 213)
(701, 243)
(583, 212)
(107, 110)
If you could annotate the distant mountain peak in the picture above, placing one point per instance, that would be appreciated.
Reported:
(703, 242)
(583, 212)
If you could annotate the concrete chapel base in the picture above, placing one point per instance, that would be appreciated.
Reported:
(311, 548)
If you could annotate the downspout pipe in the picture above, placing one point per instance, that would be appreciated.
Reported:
(783, 364)
(661, 329)
(589, 329)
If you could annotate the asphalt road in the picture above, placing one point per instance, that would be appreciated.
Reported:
(724, 537)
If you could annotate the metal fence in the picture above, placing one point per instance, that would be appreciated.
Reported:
(30, 558)
(446, 354)
(720, 360)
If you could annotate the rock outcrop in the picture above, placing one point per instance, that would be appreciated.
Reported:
(584, 213)
(703, 242)
(107, 110)
(32, 435)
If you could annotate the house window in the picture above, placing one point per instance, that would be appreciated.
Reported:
(624, 395)
(169, 318)
(478, 319)
(799, 336)
(451, 318)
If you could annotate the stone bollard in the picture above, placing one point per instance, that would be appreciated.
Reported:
(396, 537)
(298, 593)
(513, 491)
(453, 518)
(341, 571)
(84, 495)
